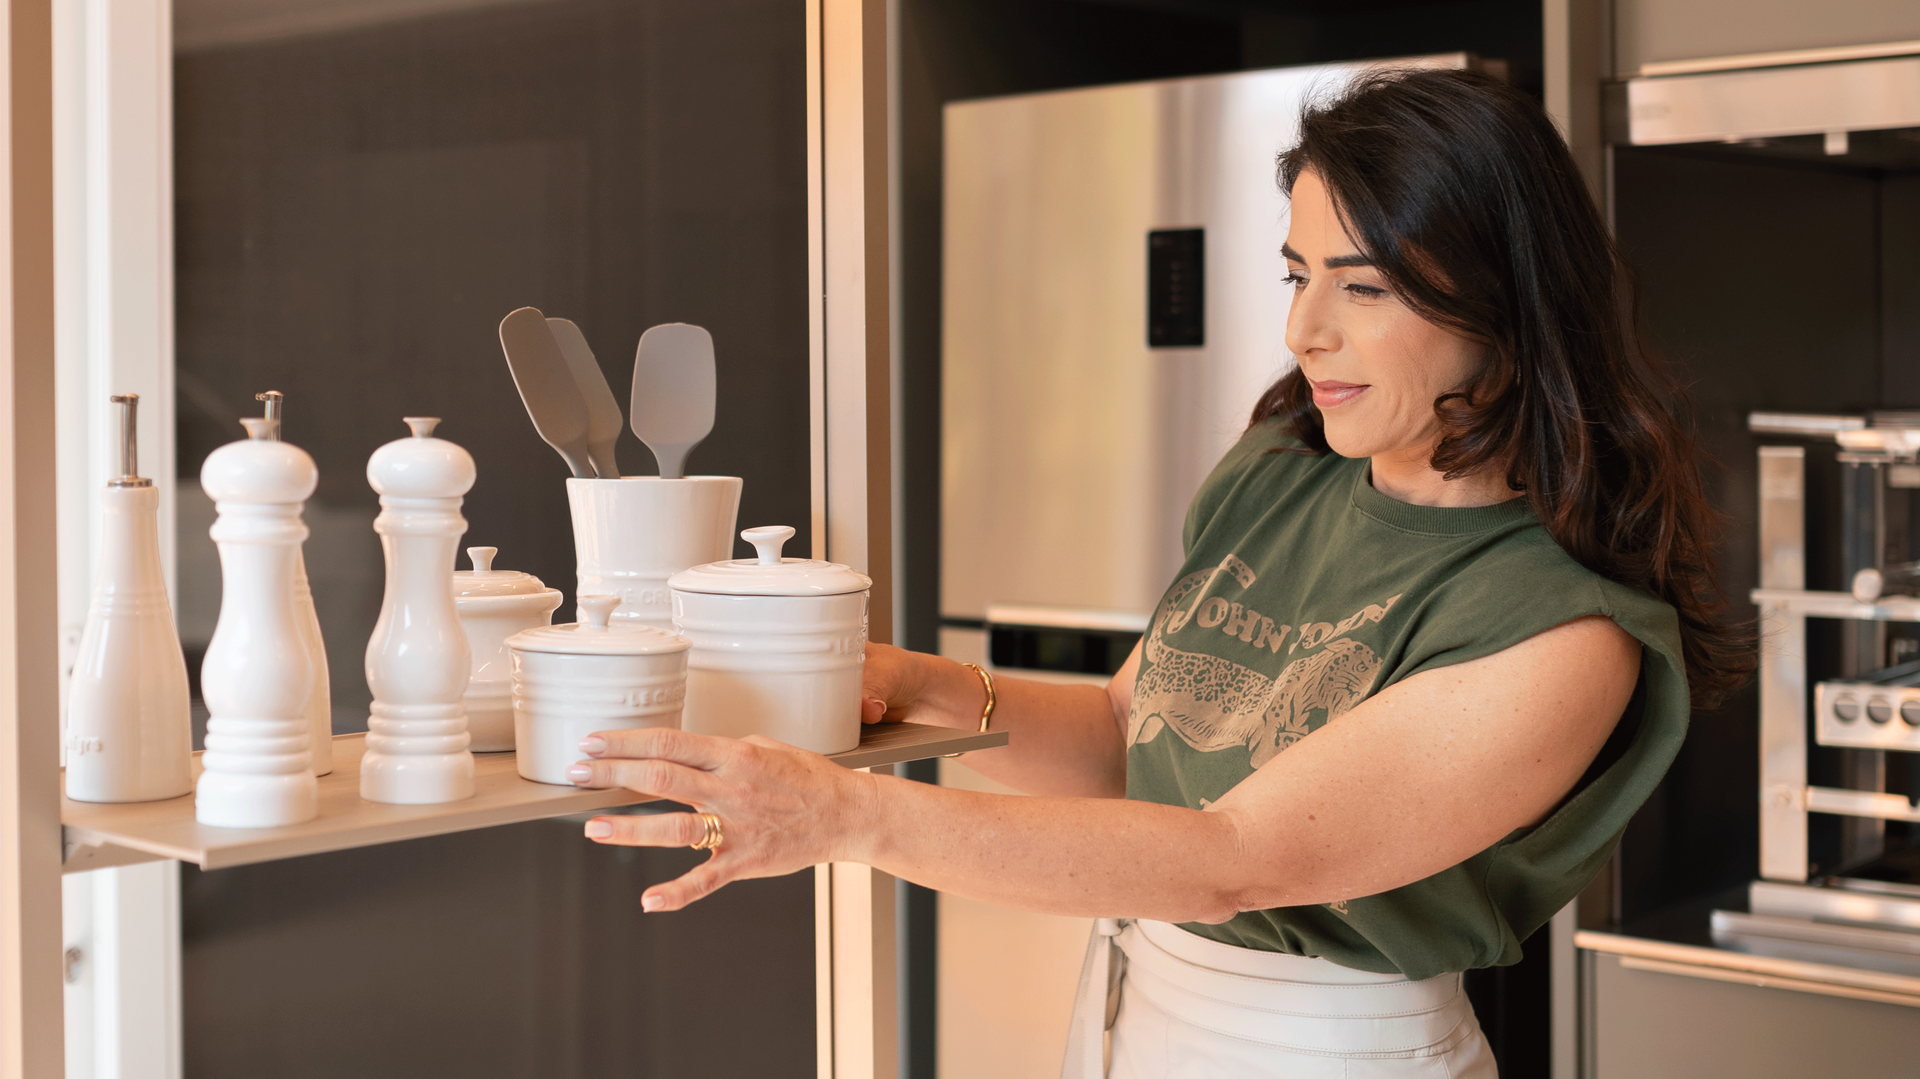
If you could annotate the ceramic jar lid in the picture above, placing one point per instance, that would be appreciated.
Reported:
(484, 580)
(595, 637)
(769, 574)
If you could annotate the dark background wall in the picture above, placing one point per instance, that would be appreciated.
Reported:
(1772, 283)
(356, 212)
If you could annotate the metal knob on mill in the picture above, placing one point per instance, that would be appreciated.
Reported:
(258, 674)
(418, 662)
(320, 698)
(129, 735)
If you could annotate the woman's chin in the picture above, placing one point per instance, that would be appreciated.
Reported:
(1346, 442)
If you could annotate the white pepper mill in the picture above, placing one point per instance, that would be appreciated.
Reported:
(129, 734)
(257, 675)
(417, 660)
(320, 700)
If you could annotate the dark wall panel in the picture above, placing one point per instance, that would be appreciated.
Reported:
(518, 952)
(356, 212)
(1760, 282)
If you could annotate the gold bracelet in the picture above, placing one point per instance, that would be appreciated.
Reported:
(986, 681)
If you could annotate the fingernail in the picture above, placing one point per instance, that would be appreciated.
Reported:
(580, 773)
(599, 829)
(593, 745)
(651, 903)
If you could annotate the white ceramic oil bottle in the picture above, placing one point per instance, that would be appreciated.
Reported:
(417, 660)
(129, 733)
(320, 700)
(257, 675)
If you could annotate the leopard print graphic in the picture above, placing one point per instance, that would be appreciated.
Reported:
(1213, 703)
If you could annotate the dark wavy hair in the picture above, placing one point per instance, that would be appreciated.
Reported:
(1461, 191)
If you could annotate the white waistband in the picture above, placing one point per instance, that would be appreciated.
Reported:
(1253, 963)
(1292, 1001)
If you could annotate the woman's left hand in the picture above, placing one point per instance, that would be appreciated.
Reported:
(781, 809)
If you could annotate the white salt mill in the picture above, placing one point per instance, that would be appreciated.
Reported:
(257, 674)
(320, 700)
(129, 731)
(417, 660)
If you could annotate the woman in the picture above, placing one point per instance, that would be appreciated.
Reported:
(1433, 643)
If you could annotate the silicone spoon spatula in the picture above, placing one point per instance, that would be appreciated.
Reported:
(547, 388)
(673, 393)
(603, 412)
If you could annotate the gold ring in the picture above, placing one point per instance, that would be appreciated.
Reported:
(713, 834)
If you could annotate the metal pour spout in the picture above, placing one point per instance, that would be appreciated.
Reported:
(129, 442)
(275, 401)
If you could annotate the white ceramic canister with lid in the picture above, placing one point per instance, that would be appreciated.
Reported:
(494, 604)
(777, 646)
(574, 679)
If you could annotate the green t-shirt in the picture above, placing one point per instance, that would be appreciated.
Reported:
(1305, 591)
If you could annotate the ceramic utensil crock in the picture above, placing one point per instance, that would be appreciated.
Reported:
(631, 534)
(494, 604)
(777, 646)
(574, 679)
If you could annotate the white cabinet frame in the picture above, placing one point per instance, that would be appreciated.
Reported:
(112, 96)
(849, 276)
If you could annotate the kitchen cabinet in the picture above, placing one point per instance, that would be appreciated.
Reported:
(838, 392)
(1662, 1013)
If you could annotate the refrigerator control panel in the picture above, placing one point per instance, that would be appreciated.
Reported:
(1867, 715)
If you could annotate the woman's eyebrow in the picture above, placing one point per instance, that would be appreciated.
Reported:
(1337, 262)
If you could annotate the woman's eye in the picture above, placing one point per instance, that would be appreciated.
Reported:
(1365, 292)
(1295, 281)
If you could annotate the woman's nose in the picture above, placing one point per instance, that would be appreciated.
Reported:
(1308, 327)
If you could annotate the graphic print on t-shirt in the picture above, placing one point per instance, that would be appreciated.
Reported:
(1214, 703)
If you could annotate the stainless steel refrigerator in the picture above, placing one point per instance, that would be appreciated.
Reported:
(1112, 307)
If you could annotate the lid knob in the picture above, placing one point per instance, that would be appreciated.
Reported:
(768, 539)
(598, 609)
(482, 558)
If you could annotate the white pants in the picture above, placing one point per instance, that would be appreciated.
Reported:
(1180, 1006)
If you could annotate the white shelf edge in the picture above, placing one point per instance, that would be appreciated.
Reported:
(99, 837)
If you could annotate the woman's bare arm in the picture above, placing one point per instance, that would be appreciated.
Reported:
(1415, 779)
(1066, 740)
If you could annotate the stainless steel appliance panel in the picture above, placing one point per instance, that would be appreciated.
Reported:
(1070, 446)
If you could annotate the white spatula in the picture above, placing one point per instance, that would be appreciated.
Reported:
(547, 387)
(673, 391)
(603, 412)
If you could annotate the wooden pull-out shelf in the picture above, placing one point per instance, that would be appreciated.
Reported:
(100, 835)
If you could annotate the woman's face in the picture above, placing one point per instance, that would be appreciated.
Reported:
(1376, 366)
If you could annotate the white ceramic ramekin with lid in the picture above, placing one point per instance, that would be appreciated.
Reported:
(495, 604)
(778, 645)
(574, 679)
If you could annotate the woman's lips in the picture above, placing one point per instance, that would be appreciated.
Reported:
(1328, 394)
